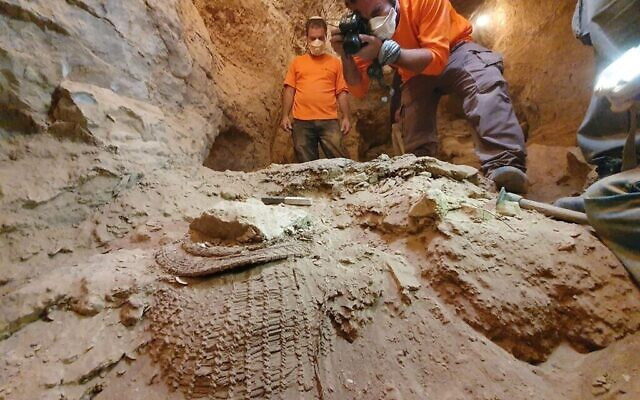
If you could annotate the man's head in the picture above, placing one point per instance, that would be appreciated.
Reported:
(316, 29)
(371, 8)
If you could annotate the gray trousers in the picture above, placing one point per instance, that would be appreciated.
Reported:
(603, 133)
(602, 136)
(473, 73)
(307, 135)
(611, 27)
(613, 207)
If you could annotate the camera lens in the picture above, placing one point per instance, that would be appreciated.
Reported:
(352, 44)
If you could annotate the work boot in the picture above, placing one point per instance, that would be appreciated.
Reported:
(571, 203)
(510, 178)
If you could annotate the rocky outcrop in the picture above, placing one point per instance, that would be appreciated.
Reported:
(143, 51)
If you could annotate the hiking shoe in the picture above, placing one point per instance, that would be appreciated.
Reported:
(571, 203)
(510, 178)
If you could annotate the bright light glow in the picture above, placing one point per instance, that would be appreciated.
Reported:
(620, 81)
(483, 21)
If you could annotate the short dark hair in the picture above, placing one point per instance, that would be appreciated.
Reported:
(315, 22)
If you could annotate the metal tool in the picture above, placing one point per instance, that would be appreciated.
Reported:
(543, 208)
(294, 201)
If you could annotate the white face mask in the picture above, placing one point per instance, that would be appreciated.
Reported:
(316, 47)
(384, 27)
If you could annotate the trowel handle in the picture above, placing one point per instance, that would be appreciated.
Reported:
(555, 212)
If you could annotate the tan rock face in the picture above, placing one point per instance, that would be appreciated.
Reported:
(154, 52)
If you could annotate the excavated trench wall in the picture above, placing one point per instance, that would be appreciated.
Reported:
(255, 40)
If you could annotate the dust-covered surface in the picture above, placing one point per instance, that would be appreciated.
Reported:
(399, 282)
(410, 287)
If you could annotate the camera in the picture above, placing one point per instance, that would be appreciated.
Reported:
(352, 26)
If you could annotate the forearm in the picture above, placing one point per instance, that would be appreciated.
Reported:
(343, 103)
(414, 60)
(351, 71)
(287, 100)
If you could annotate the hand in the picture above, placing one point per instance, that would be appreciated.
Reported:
(286, 124)
(372, 49)
(345, 126)
(398, 115)
(337, 42)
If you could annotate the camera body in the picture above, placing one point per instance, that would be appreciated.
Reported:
(351, 26)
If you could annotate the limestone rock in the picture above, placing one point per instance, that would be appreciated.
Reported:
(95, 115)
(132, 311)
(432, 204)
(249, 221)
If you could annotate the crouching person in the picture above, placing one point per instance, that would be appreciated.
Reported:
(430, 45)
(613, 208)
(314, 88)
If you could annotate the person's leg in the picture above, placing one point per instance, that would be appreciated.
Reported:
(305, 141)
(330, 138)
(613, 207)
(475, 74)
(418, 116)
(602, 136)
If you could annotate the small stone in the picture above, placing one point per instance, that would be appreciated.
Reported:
(88, 305)
(228, 196)
(600, 381)
(432, 204)
(508, 208)
(130, 315)
(204, 371)
(568, 245)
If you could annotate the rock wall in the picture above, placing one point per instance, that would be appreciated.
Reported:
(94, 96)
(150, 51)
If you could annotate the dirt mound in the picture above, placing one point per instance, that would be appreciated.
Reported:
(408, 271)
(402, 282)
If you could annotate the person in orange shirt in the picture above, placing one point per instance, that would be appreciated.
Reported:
(314, 87)
(430, 45)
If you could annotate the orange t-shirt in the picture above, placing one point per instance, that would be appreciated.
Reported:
(429, 24)
(317, 81)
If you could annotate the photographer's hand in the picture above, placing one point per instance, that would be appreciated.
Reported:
(337, 42)
(372, 49)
